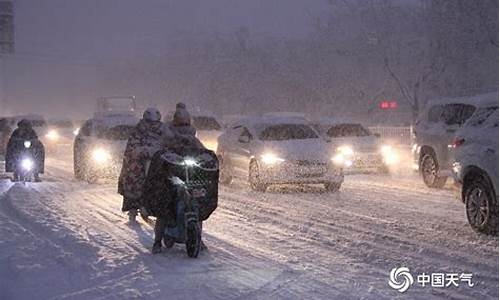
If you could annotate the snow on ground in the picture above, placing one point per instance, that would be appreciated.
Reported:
(63, 239)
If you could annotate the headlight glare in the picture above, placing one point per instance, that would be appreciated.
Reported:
(190, 162)
(271, 159)
(345, 150)
(389, 155)
(101, 155)
(52, 135)
(27, 164)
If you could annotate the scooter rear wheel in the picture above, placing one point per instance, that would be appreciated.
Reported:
(193, 239)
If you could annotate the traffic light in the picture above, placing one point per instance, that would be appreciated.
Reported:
(386, 104)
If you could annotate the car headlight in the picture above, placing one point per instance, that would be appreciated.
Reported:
(52, 135)
(342, 160)
(343, 157)
(27, 164)
(389, 155)
(345, 150)
(101, 155)
(271, 159)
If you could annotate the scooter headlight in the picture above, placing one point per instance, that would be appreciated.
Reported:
(27, 164)
(190, 162)
(101, 155)
(27, 144)
(76, 131)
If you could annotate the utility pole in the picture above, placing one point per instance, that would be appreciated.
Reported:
(6, 44)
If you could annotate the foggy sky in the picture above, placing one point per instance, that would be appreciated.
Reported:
(120, 28)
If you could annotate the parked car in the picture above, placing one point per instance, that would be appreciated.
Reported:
(100, 144)
(358, 149)
(475, 167)
(277, 150)
(434, 131)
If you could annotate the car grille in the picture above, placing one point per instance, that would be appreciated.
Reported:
(310, 163)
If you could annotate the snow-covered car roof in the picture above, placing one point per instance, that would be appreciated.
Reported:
(480, 100)
(264, 120)
(335, 121)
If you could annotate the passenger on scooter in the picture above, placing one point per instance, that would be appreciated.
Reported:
(16, 145)
(143, 142)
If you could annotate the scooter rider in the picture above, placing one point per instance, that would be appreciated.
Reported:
(143, 142)
(15, 146)
(184, 136)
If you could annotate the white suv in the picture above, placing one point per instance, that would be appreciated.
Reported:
(434, 131)
(475, 149)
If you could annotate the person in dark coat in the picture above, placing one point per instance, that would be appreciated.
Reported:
(184, 135)
(15, 146)
(144, 141)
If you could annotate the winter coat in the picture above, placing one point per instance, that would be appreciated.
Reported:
(15, 147)
(160, 194)
(143, 142)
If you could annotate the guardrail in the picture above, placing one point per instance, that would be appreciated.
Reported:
(398, 135)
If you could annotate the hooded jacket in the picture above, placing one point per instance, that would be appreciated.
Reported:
(144, 141)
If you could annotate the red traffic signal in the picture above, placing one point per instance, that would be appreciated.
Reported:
(388, 104)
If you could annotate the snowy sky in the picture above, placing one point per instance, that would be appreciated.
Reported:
(119, 28)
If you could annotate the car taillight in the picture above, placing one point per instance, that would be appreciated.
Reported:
(457, 142)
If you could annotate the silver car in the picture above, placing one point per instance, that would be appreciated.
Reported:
(275, 150)
(475, 168)
(359, 149)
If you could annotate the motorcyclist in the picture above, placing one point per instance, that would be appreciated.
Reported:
(143, 142)
(184, 136)
(24, 132)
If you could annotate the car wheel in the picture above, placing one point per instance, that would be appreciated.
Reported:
(430, 169)
(77, 167)
(481, 205)
(332, 186)
(254, 178)
(225, 176)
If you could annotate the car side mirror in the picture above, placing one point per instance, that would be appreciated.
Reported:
(245, 139)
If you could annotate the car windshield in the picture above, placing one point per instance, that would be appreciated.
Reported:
(38, 123)
(206, 123)
(482, 115)
(62, 124)
(284, 132)
(347, 130)
(120, 132)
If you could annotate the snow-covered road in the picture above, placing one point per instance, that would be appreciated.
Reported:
(63, 239)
